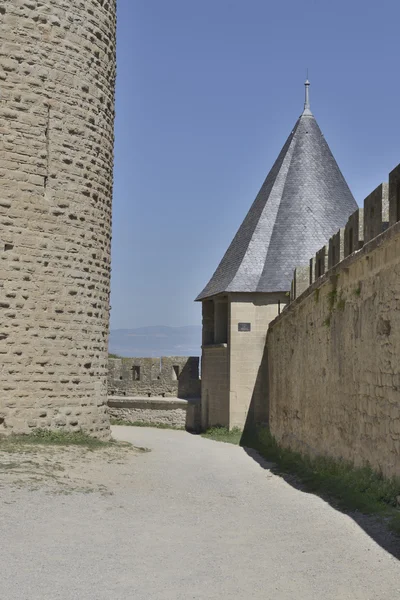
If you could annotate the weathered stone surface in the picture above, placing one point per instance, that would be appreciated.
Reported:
(394, 195)
(333, 355)
(321, 262)
(175, 412)
(157, 411)
(169, 376)
(336, 248)
(376, 212)
(301, 280)
(57, 69)
(354, 233)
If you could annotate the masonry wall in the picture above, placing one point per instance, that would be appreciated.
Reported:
(215, 386)
(169, 376)
(247, 381)
(155, 411)
(57, 73)
(234, 381)
(333, 355)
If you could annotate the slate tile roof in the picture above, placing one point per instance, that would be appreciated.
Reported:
(303, 201)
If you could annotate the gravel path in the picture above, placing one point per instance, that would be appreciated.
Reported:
(192, 519)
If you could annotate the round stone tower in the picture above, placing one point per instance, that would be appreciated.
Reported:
(57, 76)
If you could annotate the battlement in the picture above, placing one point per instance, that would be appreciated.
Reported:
(381, 210)
(168, 377)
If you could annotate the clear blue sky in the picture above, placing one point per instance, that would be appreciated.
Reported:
(207, 93)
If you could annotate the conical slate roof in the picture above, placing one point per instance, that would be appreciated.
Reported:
(303, 201)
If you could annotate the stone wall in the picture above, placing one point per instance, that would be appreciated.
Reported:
(174, 412)
(57, 74)
(233, 381)
(169, 376)
(247, 385)
(215, 385)
(333, 356)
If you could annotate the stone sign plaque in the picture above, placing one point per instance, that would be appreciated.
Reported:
(244, 327)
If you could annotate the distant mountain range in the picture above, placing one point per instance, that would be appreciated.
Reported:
(156, 341)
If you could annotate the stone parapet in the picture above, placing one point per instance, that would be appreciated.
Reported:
(168, 376)
(172, 412)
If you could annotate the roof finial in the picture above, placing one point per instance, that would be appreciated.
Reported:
(307, 110)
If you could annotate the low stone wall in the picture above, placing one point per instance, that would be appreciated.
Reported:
(333, 357)
(169, 376)
(175, 412)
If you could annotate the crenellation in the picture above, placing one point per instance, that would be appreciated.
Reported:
(363, 225)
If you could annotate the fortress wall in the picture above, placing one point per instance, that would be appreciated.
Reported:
(57, 74)
(333, 356)
(169, 376)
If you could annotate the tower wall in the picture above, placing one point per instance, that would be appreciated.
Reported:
(234, 379)
(57, 75)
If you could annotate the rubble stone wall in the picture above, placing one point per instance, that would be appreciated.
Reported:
(57, 75)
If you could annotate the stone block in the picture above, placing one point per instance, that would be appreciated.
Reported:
(301, 280)
(376, 212)
(354, 232)
(321, 262)
(312, 270)
(394, 196)
(336, 248)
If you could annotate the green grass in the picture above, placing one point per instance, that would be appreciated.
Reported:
(144, 424)
(348, 488)
(222, 434)
(53, 438)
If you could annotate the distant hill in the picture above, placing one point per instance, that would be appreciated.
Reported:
(156, 341)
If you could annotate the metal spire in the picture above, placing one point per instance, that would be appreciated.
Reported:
(307, 110)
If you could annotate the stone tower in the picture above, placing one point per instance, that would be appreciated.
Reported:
(57, 76)
(302, 202)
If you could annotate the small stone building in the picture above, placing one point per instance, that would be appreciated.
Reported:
(302, 202)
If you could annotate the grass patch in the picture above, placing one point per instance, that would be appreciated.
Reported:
(222, 434)
(145, 424)
(360, 489)
(53, 438)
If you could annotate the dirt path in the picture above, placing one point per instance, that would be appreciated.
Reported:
(192, 519)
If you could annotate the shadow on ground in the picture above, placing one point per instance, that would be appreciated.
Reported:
(373, 526)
